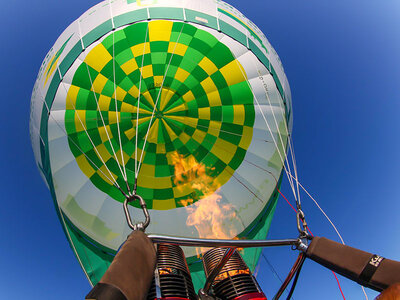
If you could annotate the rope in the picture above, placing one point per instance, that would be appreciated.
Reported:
(138, 106)
(158, 98)
(114, 182)
(332, 224)
(270, 131)
(308, 228)
(116, 113)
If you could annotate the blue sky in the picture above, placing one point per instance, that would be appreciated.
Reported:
(342, 62)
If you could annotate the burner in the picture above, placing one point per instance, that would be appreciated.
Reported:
(173, 275)
(235, 280)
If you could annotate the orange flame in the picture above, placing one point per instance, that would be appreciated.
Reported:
(209, 216)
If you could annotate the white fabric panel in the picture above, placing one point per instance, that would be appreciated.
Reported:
(94, 17)
(207, 7)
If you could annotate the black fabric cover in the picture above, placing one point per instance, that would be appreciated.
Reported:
(104, 291)
(351, 263)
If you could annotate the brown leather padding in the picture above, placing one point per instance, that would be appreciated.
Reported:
(133, 267)
(350, 262)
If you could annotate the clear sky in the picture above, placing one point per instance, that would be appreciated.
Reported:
(342, 59)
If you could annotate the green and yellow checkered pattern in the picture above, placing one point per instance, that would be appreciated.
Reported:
(205, 109)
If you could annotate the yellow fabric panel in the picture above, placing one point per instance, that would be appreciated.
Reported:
(130, 66)
(99, 83)
(140, 49)
(204, 113)
(104, 102)
(158, 80)
(184, 137)
(103, 131)
(225, 175)
(153, 133)
(164, 204)
(224, 150)
(80, 120)
(199, 136)
(120, 94)
(103, 172)
(166, 95)
(214, 99)
(112, 117)
(103, 152)
(177, 49)
(160, 149)
(148, 97)
(98, 57)
(170, 132)
(214, 128)
(139, 154)
(70, 104)
(238, 114)
(146, 170)
(246, 138)
(134, 91)
(181, 75)
(185, 120)
(145, 2)
(118, 155)
(85, 165)
(127, 107)
(183, 190)
(147, 71)
(191, 121)
(181, 107)
(141, 120)
(208, 85)
(160, 30)
(53, 67)
(188, 96)
(131, 133)
(150, 183)
(178, 118)
(208, 66)
(233, 73)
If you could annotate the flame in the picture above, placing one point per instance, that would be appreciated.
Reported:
(210, 217)
(231, 273)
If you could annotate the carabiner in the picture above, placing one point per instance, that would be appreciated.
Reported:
(141, 225)
(302, 226)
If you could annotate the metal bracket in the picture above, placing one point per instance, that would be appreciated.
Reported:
(142, 225)
(210, 279)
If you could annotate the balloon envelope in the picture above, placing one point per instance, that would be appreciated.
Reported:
(183, 100)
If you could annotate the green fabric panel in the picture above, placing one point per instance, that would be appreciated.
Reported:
(245, 25)
(130, 17)
(94, 261)
(96, 33)
(254, 48)
(70, 58)
(51, 92)
(252, 255)
(233, 32)
(166, 13)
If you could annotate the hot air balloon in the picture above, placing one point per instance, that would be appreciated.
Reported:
(182, 103)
